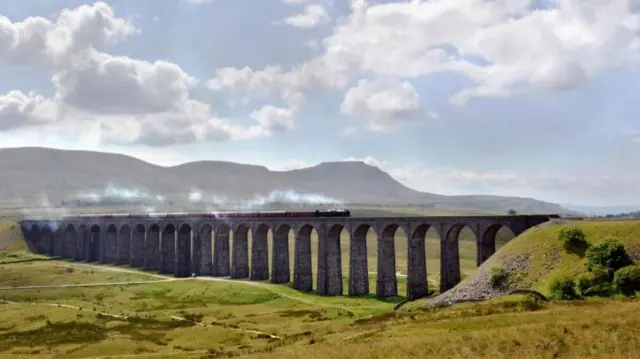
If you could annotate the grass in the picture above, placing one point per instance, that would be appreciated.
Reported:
(76, 322)
(55, 273)
(308, 326)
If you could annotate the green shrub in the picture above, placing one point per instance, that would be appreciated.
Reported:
(610, 254)
(563, 289)
(573, 239)
(595, 283)
(498, 277)
(627, 280)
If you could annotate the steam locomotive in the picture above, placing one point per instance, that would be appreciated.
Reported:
(221, 215)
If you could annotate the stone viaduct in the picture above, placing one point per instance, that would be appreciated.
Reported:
(191, 245)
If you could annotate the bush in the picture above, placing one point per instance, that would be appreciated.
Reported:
(573, 239)
(498, 277)
(627, 280)
(610, 254)
(563, 289)
(596, 283)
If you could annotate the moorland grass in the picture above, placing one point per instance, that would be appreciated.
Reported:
(310, 326)
(45, 273)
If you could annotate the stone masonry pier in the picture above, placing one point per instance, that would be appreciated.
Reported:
(191, 245)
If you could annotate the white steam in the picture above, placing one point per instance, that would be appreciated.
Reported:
(287, 197)
(41, 210)
(139, 200)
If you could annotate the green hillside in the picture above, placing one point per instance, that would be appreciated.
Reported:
(536, 258)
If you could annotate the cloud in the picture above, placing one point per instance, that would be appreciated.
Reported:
(18, 110)
(312, 16)
(102, 83)
(274, 119)
(41, 42)
(117, 99)
(384, 102)
(505, 48)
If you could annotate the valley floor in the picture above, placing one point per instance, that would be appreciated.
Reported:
(120, 313)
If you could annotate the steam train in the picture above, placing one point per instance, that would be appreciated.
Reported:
(220, 215)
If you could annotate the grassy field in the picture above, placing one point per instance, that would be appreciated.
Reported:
(240, 319)
(44, 273)
(258, 320)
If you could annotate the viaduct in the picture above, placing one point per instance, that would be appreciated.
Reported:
(190, 244)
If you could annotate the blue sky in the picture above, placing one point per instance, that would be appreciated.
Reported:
(508, 97)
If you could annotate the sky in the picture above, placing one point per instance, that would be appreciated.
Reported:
(531, 98)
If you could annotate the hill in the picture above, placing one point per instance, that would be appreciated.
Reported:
(29, 174)
(536, 257)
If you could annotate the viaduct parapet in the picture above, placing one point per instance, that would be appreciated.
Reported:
(191, 245)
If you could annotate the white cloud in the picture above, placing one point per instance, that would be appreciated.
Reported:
(312, 16)
(102, 83)
(274, 119)
(290, 84)
(18, 110)
(386, 103)
(519, 49)
(115, 99)
(39, 41)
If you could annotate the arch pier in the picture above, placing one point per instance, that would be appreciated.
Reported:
(239, 247)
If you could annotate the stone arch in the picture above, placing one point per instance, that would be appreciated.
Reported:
(492, 238)
(423, 267)
(240, 252)
(168, 248)
(330, 261)
(111, 244)
(305, 243)
(205, 249)
(183, 267)
(34, 235)
(221, 252)
(82, 243)
(280, 263)
(387, 279)
(138, 237)
(95, 244)
(31, 237)
(458, 255)
(152, 248)
(47, 239)
(260, 252)
(123, 254)
(363, 241)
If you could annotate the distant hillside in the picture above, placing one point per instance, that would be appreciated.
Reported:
(29, 173)
(601, 210)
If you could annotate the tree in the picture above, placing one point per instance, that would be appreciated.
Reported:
(512, 212)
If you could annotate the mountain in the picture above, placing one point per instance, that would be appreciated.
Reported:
(601, 210)
(63, 175)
